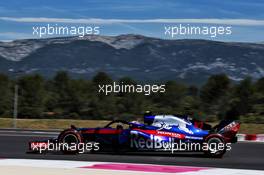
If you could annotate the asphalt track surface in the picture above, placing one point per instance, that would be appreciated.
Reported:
(13, 144)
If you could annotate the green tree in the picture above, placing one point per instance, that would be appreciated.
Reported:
(103, 106)
(59, 101)
(260, 85)
(101, 78)
(68, 97)
(31, 96)
(241, 99)
(171, 100)
(244, 93)
(258, 106)
(214, 92)
(129, 103)
(6, 96)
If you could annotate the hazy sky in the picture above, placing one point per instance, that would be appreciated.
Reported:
(17, 17)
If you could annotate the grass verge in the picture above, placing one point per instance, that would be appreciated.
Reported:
(50, 123)
(247, 128)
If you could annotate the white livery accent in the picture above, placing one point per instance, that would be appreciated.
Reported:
(168, 121)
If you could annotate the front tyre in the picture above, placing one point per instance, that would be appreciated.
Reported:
(69, 141)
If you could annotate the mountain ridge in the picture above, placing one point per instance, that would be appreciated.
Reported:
(137, 56)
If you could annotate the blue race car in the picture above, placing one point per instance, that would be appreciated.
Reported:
(157, 133)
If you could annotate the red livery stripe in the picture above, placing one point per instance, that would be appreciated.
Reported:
(162, 133)
(102, 131)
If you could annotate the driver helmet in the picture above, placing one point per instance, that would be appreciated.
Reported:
(148, 113)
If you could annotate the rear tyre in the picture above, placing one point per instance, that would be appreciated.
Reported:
(216, 147)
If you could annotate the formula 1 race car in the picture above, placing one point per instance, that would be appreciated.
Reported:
(158, 133)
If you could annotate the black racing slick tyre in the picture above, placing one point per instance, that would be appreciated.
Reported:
(216, 147)
(69, 141)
